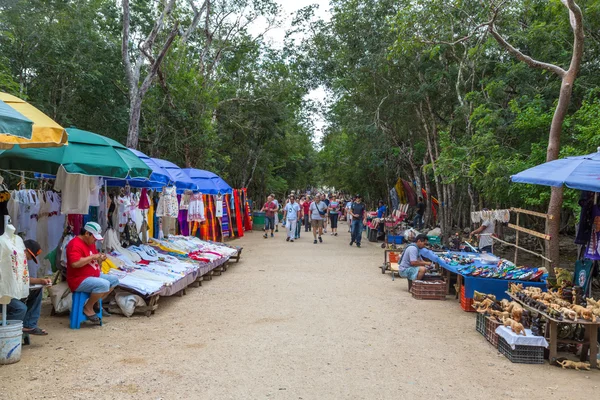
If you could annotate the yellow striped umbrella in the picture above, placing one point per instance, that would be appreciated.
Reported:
(46, 132)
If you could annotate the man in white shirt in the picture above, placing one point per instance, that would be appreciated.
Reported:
(276, 212)
(485, 232)
(291, 215)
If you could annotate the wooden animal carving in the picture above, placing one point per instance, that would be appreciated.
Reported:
(500, 315)
(568, 313)
(515, 326)
(514, 289)
(592, 302)
(574, 365)
(584, 313)
(504, 304)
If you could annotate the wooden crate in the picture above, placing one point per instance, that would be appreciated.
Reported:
(429, 290)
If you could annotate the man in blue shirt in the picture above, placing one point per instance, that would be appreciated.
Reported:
(382, 210)
(411, 264)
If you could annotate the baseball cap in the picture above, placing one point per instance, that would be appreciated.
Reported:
(33, 248)
(94, 229)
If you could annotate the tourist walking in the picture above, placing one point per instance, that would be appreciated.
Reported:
(349, 214)
(270, 209)
(276, 212)
(318, 212)
(334, 214)
(325, 199)
(291, 216)
(359, 216)
(306, 213)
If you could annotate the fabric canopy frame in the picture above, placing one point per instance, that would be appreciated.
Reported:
(87, 154)
(208, 182)
(45, 132)
(577, 172)
(176, 174)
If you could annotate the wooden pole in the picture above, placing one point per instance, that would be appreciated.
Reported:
(517, 241)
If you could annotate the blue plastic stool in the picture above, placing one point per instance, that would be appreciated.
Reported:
(77, 315)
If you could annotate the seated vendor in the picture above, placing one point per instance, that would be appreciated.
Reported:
(411, 264)
(83, 269)
(28, 309)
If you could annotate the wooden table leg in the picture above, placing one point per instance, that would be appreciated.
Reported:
(553, 341)
(593, 344)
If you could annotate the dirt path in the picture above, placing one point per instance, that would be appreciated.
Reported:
(290, 321)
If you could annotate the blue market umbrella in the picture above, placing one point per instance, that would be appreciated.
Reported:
(14, 123)
(577, 172)
(176, 174)
(208, 182)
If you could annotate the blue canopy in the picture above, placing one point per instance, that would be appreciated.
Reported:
(577, 172)
(176, 174)
(208, 182)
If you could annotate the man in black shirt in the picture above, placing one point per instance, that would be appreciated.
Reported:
(418, 222)
(359, 217)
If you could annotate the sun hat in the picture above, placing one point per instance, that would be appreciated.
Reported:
(94, 229)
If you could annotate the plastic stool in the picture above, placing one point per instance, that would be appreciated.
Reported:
(77, 315)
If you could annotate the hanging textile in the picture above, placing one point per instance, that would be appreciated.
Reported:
(225, 219)
(394, 198)
(144, 203)
(248, 211)
(4, 198)
(586, 218)
(75, 222)
(400, 190)
(238, 213)
(196, 210)
(14, 274)
(183, 215)
(411, 196)
(150, 218)
(592, 250)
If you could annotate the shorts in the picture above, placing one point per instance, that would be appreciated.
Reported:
(269, 223)
(98, 285)
(317, 223)
(410, 273)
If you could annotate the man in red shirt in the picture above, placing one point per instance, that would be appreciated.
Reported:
(84, 271)
(306, 213)
(270, 208)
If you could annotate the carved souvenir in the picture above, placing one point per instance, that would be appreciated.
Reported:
(515, 326)
(584, 313)
(568, 313)
(574, 365)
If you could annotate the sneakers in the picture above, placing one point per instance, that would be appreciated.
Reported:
(315, 242)
(272, 235)
(265, 236)
(320, 239)
(292, 240)
(357, 244)
(351, 243)
(287, 239)
(277, 230)
(335, 234)
(331, 233)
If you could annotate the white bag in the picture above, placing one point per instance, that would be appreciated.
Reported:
(127, 302)
(61, 297)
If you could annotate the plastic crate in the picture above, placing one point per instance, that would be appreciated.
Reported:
(395, 239)
(465, 303)
(433, 240)
(480, 322)
(490, 331)
(521, 354)
(429, 290)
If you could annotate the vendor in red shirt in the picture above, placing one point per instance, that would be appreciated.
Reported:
(84, 271)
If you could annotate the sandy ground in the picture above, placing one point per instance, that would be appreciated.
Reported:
(290, 321)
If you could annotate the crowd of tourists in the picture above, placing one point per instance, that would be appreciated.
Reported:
(316, 214)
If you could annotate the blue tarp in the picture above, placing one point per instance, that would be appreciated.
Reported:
(578, 172)
(208, 182)
(497, 287)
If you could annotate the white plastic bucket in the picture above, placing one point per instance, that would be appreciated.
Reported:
(11, 337)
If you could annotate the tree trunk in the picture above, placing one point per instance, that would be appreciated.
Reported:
(134, 121)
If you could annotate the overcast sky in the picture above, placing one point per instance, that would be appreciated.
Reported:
(276, 37)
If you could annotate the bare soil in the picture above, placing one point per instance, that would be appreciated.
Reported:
(290, 321)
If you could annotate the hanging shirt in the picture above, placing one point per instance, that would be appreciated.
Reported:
(485, 237)
(76, 250)
(292, 210)
(14, 275)
(76, 190)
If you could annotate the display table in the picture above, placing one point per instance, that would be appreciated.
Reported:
(494, 286)
(591, 334)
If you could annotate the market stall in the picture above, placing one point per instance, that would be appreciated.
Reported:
(487, 273)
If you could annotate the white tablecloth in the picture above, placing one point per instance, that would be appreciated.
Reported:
(513, 339)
